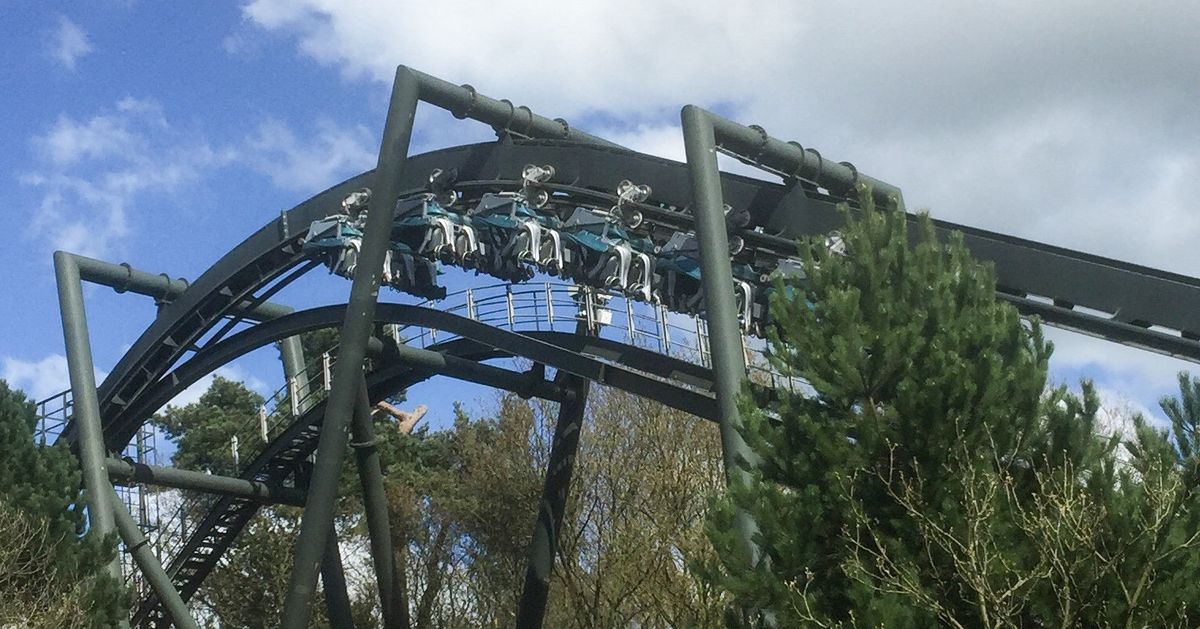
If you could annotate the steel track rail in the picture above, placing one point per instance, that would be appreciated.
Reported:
(639, 370)
(1034, 274)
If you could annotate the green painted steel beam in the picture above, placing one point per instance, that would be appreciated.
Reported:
(375, 503)
(85, 403)
(291, 354)
(143, 555)
(333, 582)
(754, 146)
(531, 609)
(259, 491)
(464, 102)
(164, 289)
(355, 332)
(720, 310)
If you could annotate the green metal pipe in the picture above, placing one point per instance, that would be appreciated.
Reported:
(465, 102)
(753, 146)
(209, 483)
(333, 582)
(355, 332)
(291, 354)
(123, 278)
(720, 310)
(138, 546)
(85, 403)
(375, 503)
(523, 384)
(531, 609)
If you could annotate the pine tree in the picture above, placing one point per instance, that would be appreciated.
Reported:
(913, 483)
(40, 495)
(203, 431)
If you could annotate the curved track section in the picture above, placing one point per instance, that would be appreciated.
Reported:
(641, 372)
(273, 251)
(1049, 281)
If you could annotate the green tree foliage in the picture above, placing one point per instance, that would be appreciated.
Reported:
(51, 570)
(458, 519)
(926, 477)
(318, 342)
(248, 586)
(634, 519)
(202, 431)
(491, 500)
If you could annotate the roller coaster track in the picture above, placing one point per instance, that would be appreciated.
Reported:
(1119, 301)
(205, 326)
(292, 437)
(638, 350)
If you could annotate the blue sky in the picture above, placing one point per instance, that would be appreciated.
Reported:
(161, 134)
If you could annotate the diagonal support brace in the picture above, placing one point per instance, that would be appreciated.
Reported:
(138, 546)
(531, 610)
(101, 500)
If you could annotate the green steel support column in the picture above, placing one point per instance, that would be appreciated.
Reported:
(138, 546)
(333, 582)
(716, 277)
(356, 329)
(531, 609)
(86, 405)
(366, 455)
(291, 354)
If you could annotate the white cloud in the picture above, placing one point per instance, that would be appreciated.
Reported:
(70, 140)
(622, 53)
(662, 140)
(313, 163)
(1072, 175)
(666, 141)
(238, 44)
(1117, 411)
(1128, 379)
(95, 173)
(1134, 369)
(1065, 123)
(68, 43)
(40, 379)
(92, 172)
